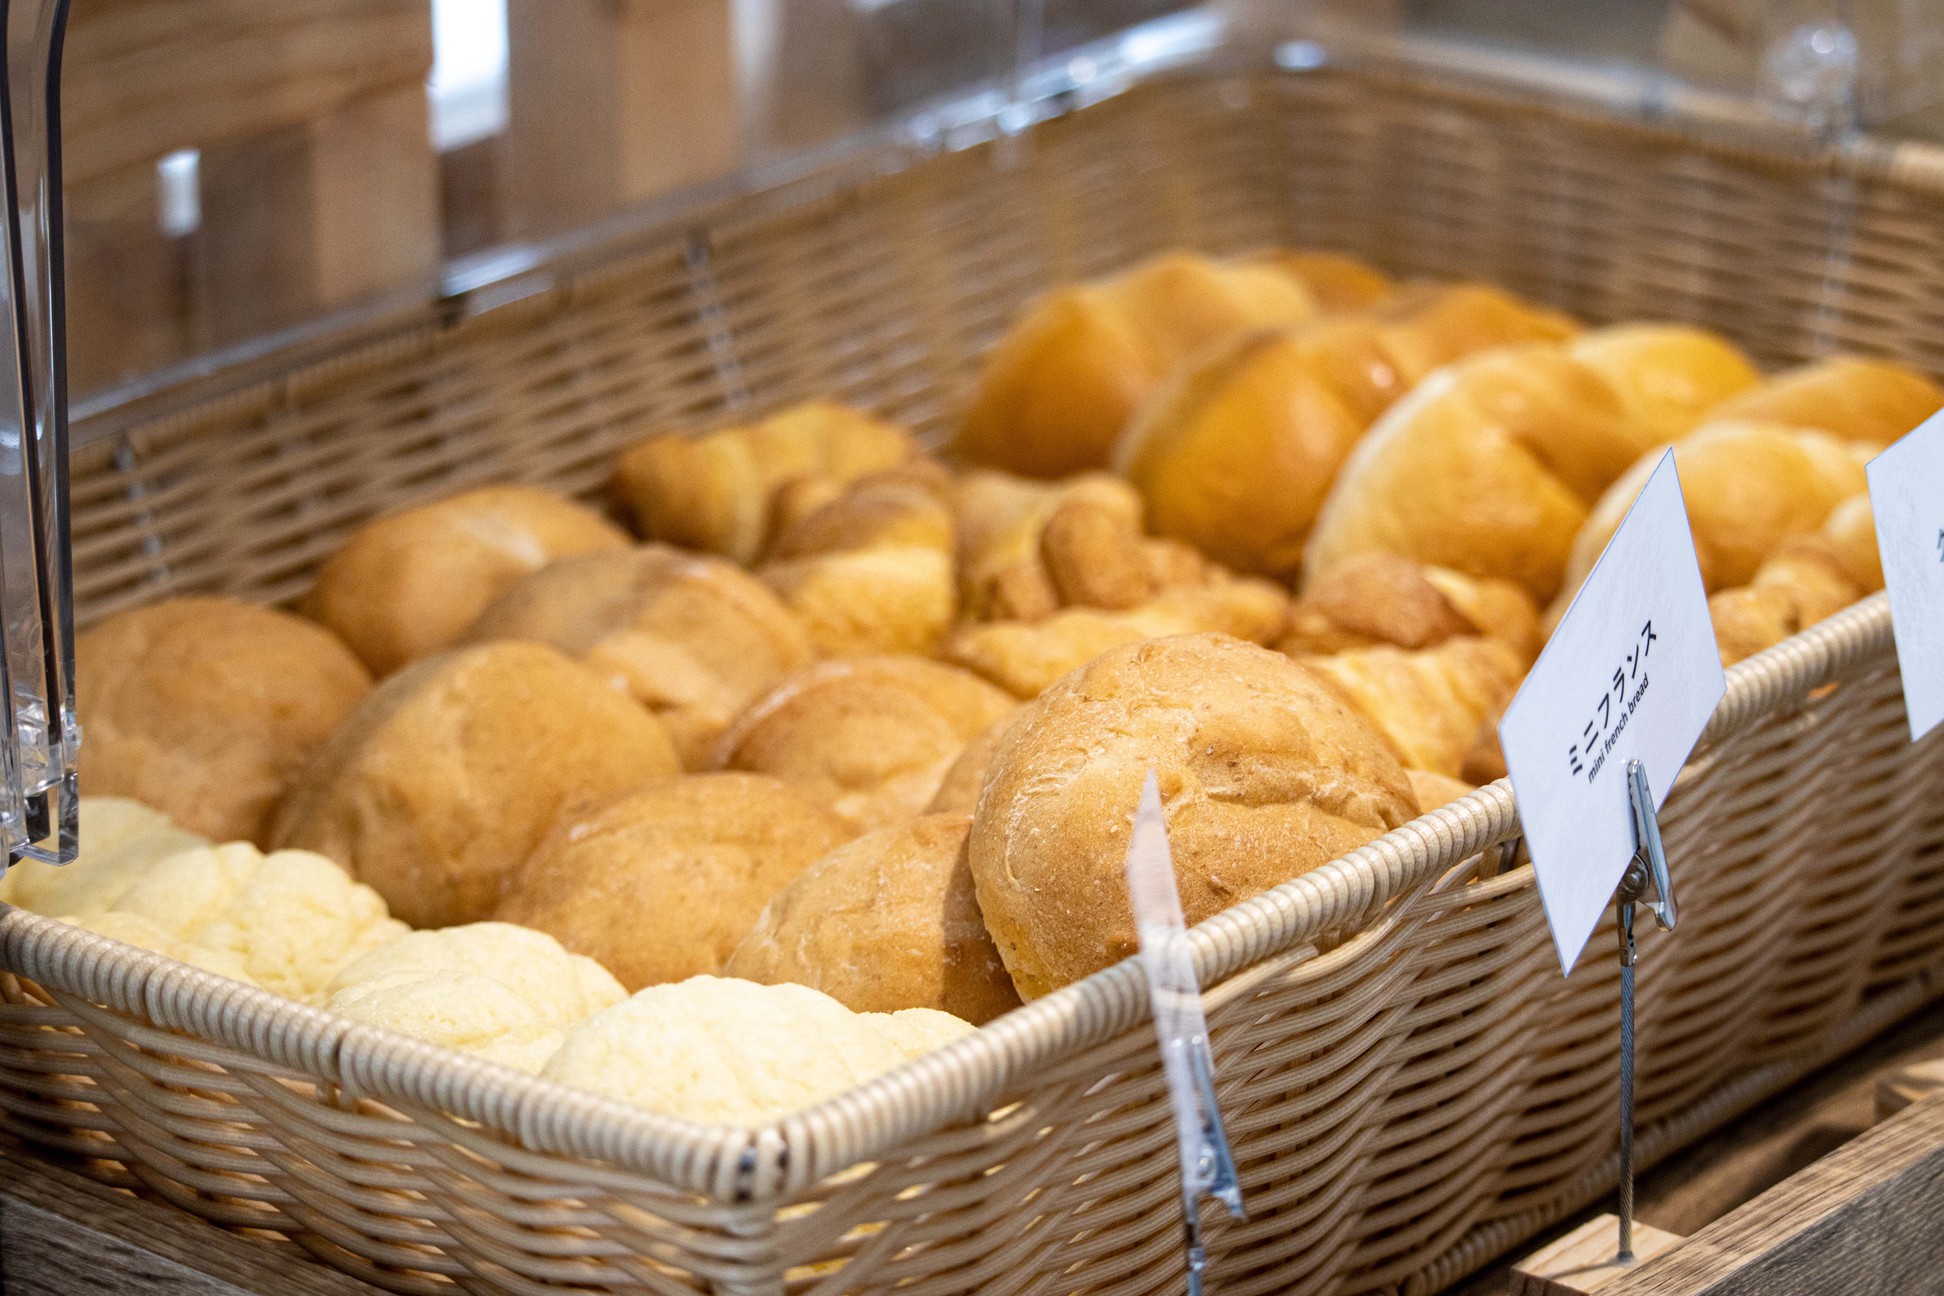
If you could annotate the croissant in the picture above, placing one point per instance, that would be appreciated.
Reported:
(1491, 466)
(1024, 658)
(718, 492)
(1807, 578)
(1384, 599)
(1235, 452)
(871, 571)
(1873, 402)
(1064, 381)
(1429, 702)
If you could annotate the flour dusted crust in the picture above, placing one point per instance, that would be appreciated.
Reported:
(1264, 775)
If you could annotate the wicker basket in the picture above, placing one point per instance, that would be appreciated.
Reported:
(1410, 1086)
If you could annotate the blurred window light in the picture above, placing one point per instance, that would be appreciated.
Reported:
(178, 193)
(468, 85)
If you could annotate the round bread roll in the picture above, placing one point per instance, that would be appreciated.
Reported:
(142, 933)
(474, 1014)
(1337, 282)
(207, 708)
(1434, 790)
(408, 585)
(564, 989)
(694, 639)
(736, 1053)
(120, 840)
(1871, 402)
(1429, 702)
(958, 791)
(1264, 774)
(453, 769)
(661, 884)
(871, 738)
(888, 921)
(1669, 377)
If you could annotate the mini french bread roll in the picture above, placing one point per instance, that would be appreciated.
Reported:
(1384, 599)
(691, 637)
(208, 708)
(409, 584)
(1871, 402)
(887, 922)
(448, 774)
(1428, 702)
(1063, 382)
(1265, 773)
(1491, 466)
(1747, 486)
(870, 737)
(1807, 578)
(1025, 657)
(871, 570)
(1235, 452)
(720, 492)
(661, 884)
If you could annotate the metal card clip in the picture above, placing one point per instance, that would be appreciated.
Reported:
(1658, 894)
(1648, 867)
(1207, 1168)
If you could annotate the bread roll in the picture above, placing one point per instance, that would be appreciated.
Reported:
(870, 737)
(447, 776)
(1434, 790)
(1337, 282)
(1668, 377)
(1236, 451)
(120, 841)
(1807, 578)
(1063, 382)
(1870, 402)
(1747, 486)
(886, 922)
(1025, 658)
(409, 584)
(133, 929)
(871, 571)
(958, 791)
(719, 492)
(661, 884)
(1429, 702)
(207, 708)
(1264, 773)
(565, 989)
(458, 1010)
(693, 638)
(1491, 466)
(1382, 599)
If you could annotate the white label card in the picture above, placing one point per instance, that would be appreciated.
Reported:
(1632, 672)
(1907, 496)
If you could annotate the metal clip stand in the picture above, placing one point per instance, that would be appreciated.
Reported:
(1649, 865)
(1207, 1168)
(40, 739)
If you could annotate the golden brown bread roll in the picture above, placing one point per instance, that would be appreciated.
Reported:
(1235, 452)
(661, 884)
(409, 584)
(1337, 282)
(448, 774)
(1484, 760)
(1747, 486)
(884, 923)
(207, 708)
(1264, 774)
(871, 570)
(1383, 599)
(1491, 466)
(1429, 702)
(1061, 384)
(870, 737)
(719, 492)
(1872, 402)
(1434, 790)
(693, 638)
(958, 791)
(1025, 657)
(1807, 578)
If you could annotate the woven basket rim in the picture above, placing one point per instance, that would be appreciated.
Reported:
(763, 1163)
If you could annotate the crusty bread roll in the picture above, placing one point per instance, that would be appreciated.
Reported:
(661, 884)
(719, 492)
(1428, 702)
(871, 570)
(1264, 773)
(1872, 402)
(1491, 466)
(1668, 378)
(870, 737)
(1236, 450)
(1383, 599)
(1434, 790)
(447, 776)
(1025, 657)
(886, 922)
(1062, 383)
(208, 708)
(1807, 578)
(410, 583)
(693, 638)
(958, 791)
(1747, 486)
